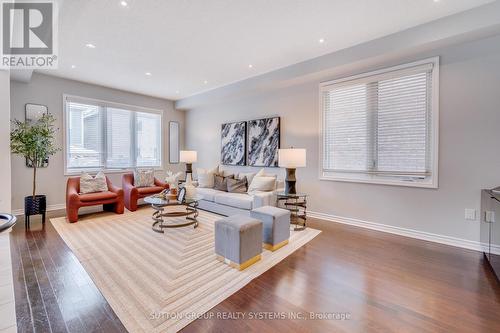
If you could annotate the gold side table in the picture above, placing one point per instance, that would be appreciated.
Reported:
(297, 205)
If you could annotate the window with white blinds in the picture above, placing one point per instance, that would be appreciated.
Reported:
(381, 127)
(102, 135)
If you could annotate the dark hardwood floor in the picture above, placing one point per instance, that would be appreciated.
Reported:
(380, 282)
(52, 290)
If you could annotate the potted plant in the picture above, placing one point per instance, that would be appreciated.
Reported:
(34, 141)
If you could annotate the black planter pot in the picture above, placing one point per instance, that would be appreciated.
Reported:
(34, 206)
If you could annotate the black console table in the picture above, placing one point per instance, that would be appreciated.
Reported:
(490, 228)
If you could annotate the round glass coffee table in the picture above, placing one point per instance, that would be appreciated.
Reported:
(160, 212)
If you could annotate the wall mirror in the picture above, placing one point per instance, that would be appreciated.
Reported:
(34, 112)
(173, 142)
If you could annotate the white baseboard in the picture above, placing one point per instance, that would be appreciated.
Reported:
(49, 208)
(453, 241)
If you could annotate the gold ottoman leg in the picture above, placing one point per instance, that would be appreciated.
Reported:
(242, 266)
(271, 247)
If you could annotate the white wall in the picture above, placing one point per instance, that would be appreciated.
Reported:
(469, 132)
(5, 200)
(49, 90)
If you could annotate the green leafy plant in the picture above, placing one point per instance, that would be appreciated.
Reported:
(34, 141)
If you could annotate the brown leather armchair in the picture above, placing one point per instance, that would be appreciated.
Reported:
(111, 200)
(132, 193)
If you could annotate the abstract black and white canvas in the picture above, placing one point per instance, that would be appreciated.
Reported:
(263, 142)
(233, 143)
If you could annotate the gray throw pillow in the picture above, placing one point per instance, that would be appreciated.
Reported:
(89, 184)
(220, 182)
(237, 185)
(144, 177)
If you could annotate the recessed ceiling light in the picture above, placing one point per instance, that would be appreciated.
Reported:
(177, 91)
(250, 66)
(148, 74)
(73, 66)
(90, 45)
(321, 40)
(436, 0)
(205, 82)
(124, 3)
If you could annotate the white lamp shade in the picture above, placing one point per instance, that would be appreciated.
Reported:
(292, 158)
(188, 156)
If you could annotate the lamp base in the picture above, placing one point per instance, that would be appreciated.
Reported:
(189, 169)
(290, 181)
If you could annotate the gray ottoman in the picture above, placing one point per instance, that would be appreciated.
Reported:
(276, 230)
(238, 240)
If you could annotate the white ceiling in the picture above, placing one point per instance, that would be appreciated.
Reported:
(190, 46)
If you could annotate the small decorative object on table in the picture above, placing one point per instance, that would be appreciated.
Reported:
(190, 188)
(165, 195)
(181, 197)
(297, 205)
(172, 180)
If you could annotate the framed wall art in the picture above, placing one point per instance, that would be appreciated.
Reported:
(263, 142)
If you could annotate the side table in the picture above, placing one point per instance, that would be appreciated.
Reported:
(297, 205)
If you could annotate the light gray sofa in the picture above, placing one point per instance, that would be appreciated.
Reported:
(228, 204)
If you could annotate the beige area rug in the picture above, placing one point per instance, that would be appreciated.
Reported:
(160, 282)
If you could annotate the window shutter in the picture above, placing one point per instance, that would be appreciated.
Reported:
(118, 138)
(148, 139)
(84, 136)
(102, 135)
(379, 123)
(345, 129)
(403, 130)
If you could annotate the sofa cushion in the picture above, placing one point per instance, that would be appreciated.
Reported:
(248, 175)
(207, 194)
(89, 184)
(262, 182)
(98, 196)
(237, 185)
(206, 177)
(238, 200)
(144, 177)
(220, 182)
(149, 190)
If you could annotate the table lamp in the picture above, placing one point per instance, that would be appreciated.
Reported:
(188, 157)
(291, 159)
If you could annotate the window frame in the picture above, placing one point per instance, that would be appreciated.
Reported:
(379, 178)
(105, 103)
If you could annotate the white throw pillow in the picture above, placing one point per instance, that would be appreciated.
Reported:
(144, 177)
(262, 182)
(206, 177)
(89, 184)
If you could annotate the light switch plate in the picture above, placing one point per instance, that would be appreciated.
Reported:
(470, 214)
(489, 216)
